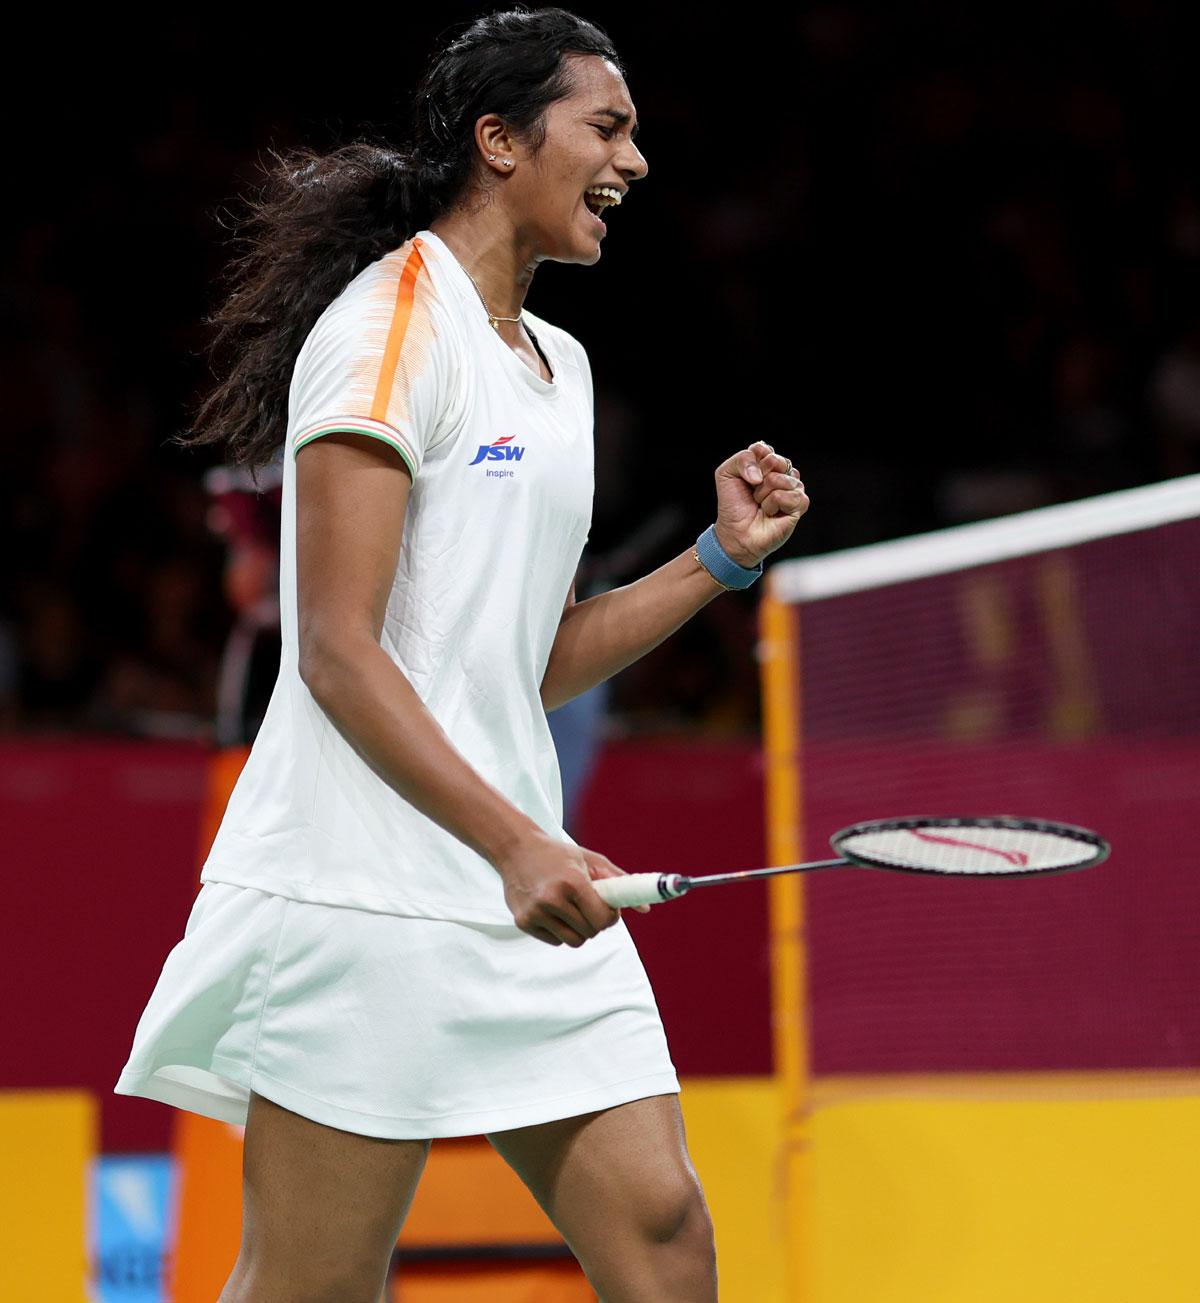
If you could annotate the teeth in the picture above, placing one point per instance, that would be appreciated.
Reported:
(606, 192)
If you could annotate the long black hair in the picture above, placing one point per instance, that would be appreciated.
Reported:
(321, 218)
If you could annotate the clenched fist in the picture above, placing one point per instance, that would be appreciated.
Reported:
(759, 500)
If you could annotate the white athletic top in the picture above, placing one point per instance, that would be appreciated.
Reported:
(497, 518)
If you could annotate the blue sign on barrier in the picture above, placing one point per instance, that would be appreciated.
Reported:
(133, 1226)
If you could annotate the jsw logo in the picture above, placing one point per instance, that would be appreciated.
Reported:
(499, 451)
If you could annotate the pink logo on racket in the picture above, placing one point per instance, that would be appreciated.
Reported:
(1017, 858)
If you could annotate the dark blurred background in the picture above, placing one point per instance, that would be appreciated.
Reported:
(946, 257)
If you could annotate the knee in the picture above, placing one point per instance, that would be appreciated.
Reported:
(679, 1213)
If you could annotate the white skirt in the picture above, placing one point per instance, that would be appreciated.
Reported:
(405, 1028)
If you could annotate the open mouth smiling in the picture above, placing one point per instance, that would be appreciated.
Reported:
(597, 198)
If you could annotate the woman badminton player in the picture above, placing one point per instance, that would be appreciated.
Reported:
(395, 939)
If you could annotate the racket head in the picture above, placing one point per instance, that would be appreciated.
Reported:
(975, 846)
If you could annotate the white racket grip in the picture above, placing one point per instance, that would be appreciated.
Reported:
(638, 889)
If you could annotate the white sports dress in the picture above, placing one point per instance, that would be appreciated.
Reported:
(346, 956)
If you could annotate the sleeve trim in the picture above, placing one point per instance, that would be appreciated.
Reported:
(361, 425)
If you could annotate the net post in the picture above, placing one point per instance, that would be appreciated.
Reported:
(779, 664)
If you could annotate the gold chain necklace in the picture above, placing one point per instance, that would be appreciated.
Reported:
(492, 318)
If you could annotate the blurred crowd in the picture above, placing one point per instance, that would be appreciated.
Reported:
(948, 262)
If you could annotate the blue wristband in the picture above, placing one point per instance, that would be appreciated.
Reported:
(723, 568)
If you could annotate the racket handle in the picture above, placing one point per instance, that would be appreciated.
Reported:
(639, 889)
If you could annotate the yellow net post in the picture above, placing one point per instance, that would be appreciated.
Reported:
(779, 658)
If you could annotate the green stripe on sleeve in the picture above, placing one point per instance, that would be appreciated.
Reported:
(358, 429)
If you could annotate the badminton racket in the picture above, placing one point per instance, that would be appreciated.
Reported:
(995, 847)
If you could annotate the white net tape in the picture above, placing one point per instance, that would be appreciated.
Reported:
(810, 579)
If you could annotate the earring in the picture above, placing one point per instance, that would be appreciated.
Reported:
(508, 162)
(491, 158)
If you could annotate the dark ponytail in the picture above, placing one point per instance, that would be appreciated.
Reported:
(321, 218)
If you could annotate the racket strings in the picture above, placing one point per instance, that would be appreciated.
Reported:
(980, 847)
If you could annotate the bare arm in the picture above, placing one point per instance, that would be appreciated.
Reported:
(758, 504)
(351, 497)
(602, 635)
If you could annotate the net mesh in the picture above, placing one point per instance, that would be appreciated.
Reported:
(1060, 686)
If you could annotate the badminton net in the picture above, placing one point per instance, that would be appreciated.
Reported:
(1043, 665)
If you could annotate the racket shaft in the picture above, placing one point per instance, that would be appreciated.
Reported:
(654, 888)
(722, 879)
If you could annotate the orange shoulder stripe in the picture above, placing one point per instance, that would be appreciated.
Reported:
(405, 293)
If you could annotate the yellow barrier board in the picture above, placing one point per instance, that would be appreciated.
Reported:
(1075, 1192)
(732, 1126)
(48, 1141)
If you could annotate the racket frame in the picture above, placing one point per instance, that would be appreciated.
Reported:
(1070, 831)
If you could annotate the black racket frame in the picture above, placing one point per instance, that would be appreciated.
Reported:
(1069, 830)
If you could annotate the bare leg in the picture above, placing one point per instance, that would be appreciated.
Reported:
(321, 1209)
(620, 1187)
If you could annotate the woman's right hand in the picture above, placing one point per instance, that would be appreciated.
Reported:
(547, 886)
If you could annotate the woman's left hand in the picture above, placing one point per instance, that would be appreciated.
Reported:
(759, 500)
